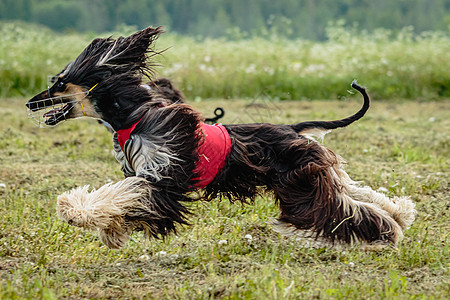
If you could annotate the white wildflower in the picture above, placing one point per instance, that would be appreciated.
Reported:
(144, 257)
(383, 190)
(177, 66)
(315, 68)
(269, 70)
(250, 69)
(296, 66)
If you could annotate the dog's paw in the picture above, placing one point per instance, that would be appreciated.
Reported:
(115, 237)
(73, 208)
(405, 212)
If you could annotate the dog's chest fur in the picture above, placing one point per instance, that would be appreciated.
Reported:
(170, 145)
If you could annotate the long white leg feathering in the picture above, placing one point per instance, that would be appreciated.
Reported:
(402, 209)
(394, 215)
(104, 209)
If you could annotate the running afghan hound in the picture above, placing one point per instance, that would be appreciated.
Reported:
(167, 152)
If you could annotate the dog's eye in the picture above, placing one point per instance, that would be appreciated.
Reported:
(60, 85)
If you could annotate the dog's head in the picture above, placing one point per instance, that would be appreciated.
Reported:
(103, 82)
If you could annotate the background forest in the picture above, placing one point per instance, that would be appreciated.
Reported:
(305, 19)
(286, 49)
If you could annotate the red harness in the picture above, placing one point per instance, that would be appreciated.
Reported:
(124, 134)
(214, 147)
(212, 151)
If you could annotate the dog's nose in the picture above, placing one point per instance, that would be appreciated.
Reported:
(31, 105)
(37, 101)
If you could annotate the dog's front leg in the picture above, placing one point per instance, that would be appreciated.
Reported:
(115, 210)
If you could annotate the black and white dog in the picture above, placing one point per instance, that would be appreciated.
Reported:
(167, 151)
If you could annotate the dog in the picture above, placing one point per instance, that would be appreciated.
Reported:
(170, 156)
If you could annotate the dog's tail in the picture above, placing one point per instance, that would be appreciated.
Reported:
(321, 127)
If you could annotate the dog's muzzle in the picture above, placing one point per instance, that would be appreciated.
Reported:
(50, 111)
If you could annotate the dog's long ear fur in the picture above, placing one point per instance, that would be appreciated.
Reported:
(131, 52)
(106, 57)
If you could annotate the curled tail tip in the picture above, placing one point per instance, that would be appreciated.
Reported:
(357, 87)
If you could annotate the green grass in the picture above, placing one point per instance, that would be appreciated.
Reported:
(396, 66)
(400, 146)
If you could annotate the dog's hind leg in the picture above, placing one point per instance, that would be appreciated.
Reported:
(402, 209)
(316, 206)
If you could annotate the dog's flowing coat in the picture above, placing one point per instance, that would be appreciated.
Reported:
(319, 202)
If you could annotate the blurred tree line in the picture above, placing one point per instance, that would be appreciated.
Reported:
(290, 18)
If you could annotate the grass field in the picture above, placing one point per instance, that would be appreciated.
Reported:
(397, 65)
(229, 252)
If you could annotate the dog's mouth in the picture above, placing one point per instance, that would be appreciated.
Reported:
(51, 111)
(57, 113)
